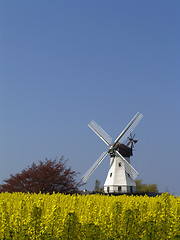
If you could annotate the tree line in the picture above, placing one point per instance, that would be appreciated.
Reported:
(140, 187)
(54, 176)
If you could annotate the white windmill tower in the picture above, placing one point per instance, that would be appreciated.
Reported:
(121, 176)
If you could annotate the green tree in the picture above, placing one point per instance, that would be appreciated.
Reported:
(97, 186)
(145, 188)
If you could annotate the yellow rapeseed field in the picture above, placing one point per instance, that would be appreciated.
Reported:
(59, 216)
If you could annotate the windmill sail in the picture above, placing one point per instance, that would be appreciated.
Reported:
(129, 128)
(94, 166)
(129, 169)
(100, 132)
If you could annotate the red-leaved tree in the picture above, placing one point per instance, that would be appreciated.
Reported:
(46, 177)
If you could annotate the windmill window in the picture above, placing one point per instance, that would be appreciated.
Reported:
(119, 164)
(119, 188)
(110, 174)
(107, 189)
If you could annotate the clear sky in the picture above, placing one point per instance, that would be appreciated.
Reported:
(64, 63)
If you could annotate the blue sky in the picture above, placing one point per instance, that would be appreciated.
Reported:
(64, 63)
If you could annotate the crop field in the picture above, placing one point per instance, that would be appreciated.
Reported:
(58, 216)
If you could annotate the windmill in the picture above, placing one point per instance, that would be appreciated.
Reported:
(121, 175)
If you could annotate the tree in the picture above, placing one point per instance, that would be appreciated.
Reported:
(97, 186)
(145, 188)
(46, 177)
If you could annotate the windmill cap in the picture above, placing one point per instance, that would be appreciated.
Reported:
(124, 150)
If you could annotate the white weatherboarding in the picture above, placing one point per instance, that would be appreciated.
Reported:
(121, 176)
